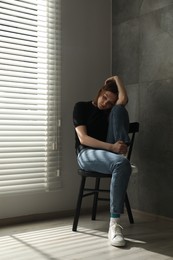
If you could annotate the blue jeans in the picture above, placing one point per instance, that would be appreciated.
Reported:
(108, 162)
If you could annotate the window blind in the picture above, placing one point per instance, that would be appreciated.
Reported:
(30, 80)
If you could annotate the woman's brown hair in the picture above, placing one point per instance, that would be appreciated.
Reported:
(109, 86)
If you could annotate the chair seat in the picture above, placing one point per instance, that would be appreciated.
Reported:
(94, 174)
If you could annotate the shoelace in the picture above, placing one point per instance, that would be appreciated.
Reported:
(118, 229)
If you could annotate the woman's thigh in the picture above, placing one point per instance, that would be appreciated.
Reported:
(98, 160)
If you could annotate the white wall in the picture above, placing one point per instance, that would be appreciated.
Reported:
(86, 62)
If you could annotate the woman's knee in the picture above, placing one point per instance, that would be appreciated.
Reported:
(118, 109)
(127, 164)
(124, 166)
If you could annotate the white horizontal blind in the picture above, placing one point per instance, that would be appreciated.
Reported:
(30, 69)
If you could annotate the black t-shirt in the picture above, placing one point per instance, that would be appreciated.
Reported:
(95, 120)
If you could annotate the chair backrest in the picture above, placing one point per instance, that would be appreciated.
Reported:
(133, 129)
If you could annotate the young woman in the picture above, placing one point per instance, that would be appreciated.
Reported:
(101, 128)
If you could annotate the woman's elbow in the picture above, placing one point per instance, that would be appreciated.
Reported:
(82, 140)
(122, 101)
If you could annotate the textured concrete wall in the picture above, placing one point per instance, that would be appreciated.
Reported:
(143, 57)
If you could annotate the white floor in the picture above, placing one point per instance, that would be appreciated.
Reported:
(147, 239)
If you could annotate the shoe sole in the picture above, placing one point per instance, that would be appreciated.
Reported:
(121, 244)
(117, 244)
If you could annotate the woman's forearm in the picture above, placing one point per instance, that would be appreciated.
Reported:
(118, 147)
(87, 140)
(122, 93)
(95, 143)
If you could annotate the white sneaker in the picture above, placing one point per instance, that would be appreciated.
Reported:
(115, 235)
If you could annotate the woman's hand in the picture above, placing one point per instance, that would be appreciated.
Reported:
(115, 78)
(119, 147)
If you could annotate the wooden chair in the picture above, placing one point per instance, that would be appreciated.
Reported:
(84, 191)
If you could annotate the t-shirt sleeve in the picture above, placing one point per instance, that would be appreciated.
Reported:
(79, 117)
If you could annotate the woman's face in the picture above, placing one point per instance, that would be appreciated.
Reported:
(106, 100)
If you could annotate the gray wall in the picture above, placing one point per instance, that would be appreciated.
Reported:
(143, 56)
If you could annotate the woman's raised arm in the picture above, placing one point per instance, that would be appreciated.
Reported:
(122, 93)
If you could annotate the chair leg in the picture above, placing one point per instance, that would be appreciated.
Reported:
(78, 206)
(95, 200)
(129, 212)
